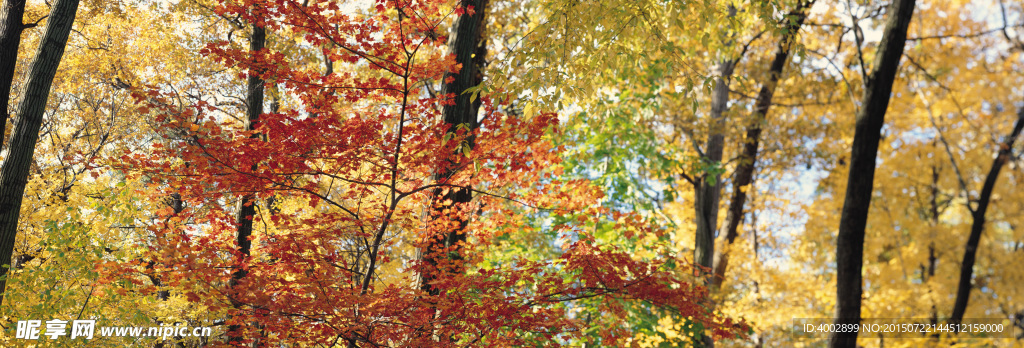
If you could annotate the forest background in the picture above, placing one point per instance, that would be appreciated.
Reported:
(471, 173)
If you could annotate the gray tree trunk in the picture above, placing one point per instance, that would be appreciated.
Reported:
(15, 169)
(707, 190)
(743, 177)
(860, 181)
(963, 289)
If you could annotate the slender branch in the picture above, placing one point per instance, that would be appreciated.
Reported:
(949, 151)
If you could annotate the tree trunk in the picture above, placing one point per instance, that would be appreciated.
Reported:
(15, 170)
(175, 202)
(10, 39)
(468, 45)
(743, 177)
(467, 42)
(933, 223)
(859, 184)
(247, 202)
(963, 289)
(707, 190)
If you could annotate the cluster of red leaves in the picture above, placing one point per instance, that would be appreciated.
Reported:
(359, 155)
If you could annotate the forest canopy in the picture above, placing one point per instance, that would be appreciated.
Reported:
(527, 173)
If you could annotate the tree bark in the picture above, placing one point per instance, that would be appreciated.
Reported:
(15, 170)
(743, 177)
(467, 42)
(860, 181)
(10, 39)
(707, 190)
(247, 202)
(176, 203)
(468, 45)
(963, 289)
(933, 223)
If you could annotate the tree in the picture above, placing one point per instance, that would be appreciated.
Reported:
(870, 119)
(351, 159)
(963, 289)
(76, 212)
(743, 176)
(557, 209)
(10, 39)
(15, 170)
(468, 44)
(707, 186)
(247, 202)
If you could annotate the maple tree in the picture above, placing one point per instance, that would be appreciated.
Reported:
(74, 212)
(356, 163)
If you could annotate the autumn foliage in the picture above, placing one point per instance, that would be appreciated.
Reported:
(341, 178)
(526, 173)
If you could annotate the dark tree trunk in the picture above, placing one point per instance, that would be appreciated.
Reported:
(963, 289)
(175, 202)
(10, 39)
(468, 45)
(743, 177)
(247, 202)
(933, 222)
(860, 182)
(467, 42)
(15, 170)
